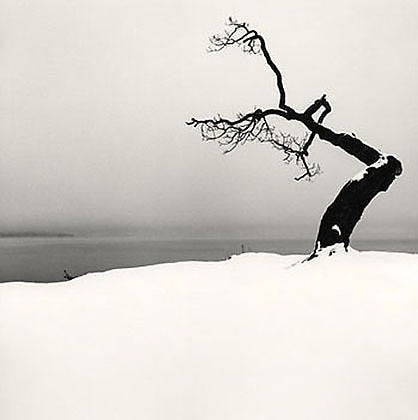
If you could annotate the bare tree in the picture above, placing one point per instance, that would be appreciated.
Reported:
(345, 211)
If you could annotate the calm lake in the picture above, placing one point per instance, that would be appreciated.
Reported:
(44, 259)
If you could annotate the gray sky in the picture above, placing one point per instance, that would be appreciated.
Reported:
(94, 95)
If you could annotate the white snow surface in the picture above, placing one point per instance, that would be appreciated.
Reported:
(256, 337)
(337, 229)
(383, 160)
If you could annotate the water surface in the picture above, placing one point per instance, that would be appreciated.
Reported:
(44, 259)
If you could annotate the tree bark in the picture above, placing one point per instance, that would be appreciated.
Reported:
(345, 211)
(343, 214)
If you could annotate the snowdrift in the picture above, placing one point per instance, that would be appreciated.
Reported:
(254, 337)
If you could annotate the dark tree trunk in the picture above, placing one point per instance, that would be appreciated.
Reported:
(345, 211)
(343, 214)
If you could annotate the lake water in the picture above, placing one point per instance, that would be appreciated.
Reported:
(44, 259)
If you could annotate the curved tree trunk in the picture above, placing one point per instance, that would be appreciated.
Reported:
(343, 214)
(345, 211)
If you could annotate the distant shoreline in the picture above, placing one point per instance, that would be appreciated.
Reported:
(35, 235)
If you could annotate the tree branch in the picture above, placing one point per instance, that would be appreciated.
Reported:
(345, 211)
(310, 111)
(255, 126)
(253, 43)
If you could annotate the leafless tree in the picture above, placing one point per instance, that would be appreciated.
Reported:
(342, 215)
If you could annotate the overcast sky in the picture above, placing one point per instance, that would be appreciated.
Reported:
(95, 93)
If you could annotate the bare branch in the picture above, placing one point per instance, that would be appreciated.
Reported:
(310, 111)
(345, 211)
(254, 126)
(251, 42)
(236, 34)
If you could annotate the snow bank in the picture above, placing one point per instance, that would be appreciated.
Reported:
(254, 337)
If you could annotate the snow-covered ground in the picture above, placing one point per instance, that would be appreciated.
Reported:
(255, 337)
